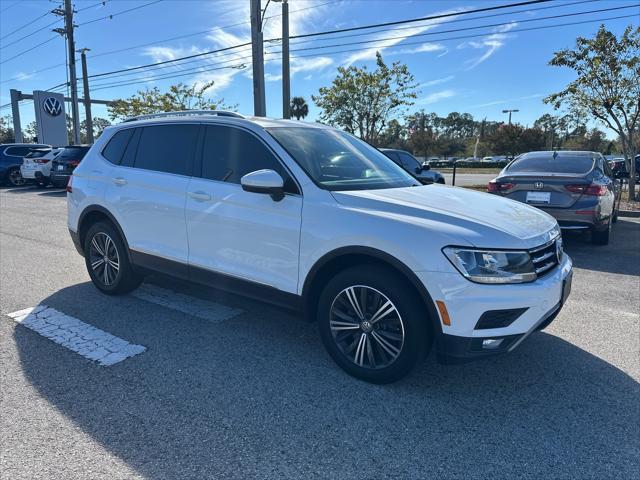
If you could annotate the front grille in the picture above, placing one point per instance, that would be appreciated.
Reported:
(545, 258)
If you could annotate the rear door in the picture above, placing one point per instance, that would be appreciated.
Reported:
(147, 191)
(233, 232)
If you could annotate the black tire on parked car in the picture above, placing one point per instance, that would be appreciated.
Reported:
(373, 324)
(602, 237)
(107, 260)
(14, 177)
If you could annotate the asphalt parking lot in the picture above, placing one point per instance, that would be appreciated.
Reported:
(252, 394)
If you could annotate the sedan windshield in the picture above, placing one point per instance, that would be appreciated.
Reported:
(550, 163)
(338, 161)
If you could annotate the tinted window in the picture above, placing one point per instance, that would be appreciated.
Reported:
(37, 153)
(548, 162)
(230, 153)
(116, 146)
(17, 151)
(130, 152)
(408, 161)
(393, 156)
(73, 153)
(167, 148)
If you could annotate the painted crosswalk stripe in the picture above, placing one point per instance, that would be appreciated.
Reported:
(80, 337)
(211, 311)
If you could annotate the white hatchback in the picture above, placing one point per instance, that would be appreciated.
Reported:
(36, 165)
(308, 216)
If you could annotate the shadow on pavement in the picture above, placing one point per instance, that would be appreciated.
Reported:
(256, 396)
(31, 189)
(622, 255)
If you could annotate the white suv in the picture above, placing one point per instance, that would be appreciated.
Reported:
(311, 217)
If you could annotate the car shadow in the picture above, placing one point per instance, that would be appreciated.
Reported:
(257, 393)
(622, 255)
(31, 189)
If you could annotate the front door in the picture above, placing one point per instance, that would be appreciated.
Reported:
(237, 233)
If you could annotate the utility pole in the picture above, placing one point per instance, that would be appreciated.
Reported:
(87, 98)
(286, 77)
(67, 13)
(510, 112)
(257, 55)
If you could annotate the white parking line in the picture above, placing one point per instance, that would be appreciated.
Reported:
(211, 311)
(80, 337)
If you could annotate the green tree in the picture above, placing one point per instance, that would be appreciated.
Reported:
(298, 108)
(6, 129)
(607, 85)
(99, 124)
(394, 136)
(362, 101)
(179, 97)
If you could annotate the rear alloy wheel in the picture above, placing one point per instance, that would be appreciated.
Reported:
(602, 237)
(107, 261)
(14, 177)
(372, 324)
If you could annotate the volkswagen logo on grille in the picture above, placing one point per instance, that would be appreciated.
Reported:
(538, 185)
(52, 106)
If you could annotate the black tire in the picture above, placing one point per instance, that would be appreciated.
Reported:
(381, 285)
(440, 181)
(14, 177)
(602, 237)
(115, 281)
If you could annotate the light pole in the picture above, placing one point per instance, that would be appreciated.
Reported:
(257, 56)
(286, 71)
(510, 112)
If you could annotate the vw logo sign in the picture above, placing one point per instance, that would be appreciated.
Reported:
(538, 185)
(52, 106)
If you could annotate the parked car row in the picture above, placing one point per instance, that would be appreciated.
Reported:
(39, 163)
(619, 167)
(422, 171)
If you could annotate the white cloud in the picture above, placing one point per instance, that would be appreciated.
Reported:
(404, 33)
(21, 76)
(301, 65)
(425, 47)
(437, 81)
(491, 43)
(507, 100)
(435, 97)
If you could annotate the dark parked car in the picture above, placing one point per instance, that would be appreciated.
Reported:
(421, 171)
(65, 163)
(11, 155)
(619, 168)
(577, 188)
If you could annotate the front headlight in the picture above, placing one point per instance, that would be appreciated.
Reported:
(492, 266)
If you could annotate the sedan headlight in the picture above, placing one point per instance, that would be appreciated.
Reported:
(492, 266)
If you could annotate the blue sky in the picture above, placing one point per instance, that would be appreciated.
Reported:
(505, 68)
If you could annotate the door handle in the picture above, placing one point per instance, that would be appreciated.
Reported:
(119, 181)
(200, 196)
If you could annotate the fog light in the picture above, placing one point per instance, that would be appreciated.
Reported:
(491, 343)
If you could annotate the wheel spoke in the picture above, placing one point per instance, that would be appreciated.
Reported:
(362, 342)
(353, 300)
(344, 316)
(390, 349)
(105, 274)
(94, 242)
(97, 263)
(370, 354)
(336, 325)
(384, 310)
(396, 337)
(114, 265)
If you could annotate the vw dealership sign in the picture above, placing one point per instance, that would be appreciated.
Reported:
(50, 118)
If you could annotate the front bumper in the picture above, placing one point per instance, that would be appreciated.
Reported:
(536, 303)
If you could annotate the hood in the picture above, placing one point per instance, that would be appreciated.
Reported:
(482, 219)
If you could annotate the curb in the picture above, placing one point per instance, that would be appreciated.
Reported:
(629, 213)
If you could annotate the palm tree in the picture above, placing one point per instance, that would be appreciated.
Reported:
(299, 107)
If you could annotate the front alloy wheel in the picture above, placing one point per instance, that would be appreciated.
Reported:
(104, 259)
(15, 178)
(366, 326)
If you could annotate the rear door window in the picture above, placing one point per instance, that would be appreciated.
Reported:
(114, 151)
(17, 151)
(167, 148)
(539, 163)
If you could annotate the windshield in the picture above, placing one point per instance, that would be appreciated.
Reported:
(37, 153)
(74, 153)
(548, 162)
(338, 161)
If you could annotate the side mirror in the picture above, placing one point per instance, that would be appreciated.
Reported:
(264, 181)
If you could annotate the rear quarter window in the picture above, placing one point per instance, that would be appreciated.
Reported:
(570, 164)
(114, 151)
(17, 151)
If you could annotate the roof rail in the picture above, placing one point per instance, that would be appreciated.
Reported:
(184, 113)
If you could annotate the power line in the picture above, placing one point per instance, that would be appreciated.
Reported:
(25, 25)
(103, 3)
(29, 49)
(32, 33)
(109, 17)
(8, 7)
